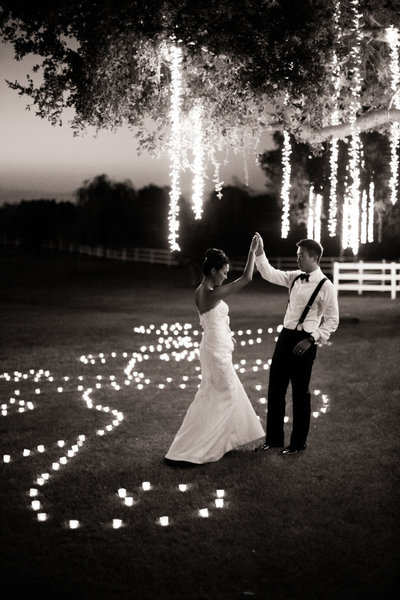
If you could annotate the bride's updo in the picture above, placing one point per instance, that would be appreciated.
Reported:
(214, 259)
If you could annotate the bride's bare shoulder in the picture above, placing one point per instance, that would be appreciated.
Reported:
(202, 299)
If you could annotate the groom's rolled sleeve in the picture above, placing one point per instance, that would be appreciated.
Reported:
(268, 272)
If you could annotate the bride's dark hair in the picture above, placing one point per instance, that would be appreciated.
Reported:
(214, 259)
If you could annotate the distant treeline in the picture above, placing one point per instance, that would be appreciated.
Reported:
(114, 214)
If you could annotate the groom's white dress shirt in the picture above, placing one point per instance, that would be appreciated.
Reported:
(323, 317)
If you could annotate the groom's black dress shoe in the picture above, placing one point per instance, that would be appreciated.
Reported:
(264, 448)
(290, 450)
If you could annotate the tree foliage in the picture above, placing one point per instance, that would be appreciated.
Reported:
(108, 60)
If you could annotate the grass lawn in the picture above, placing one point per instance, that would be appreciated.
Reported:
(322, 524)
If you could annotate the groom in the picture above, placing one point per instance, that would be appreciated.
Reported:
(312, 314)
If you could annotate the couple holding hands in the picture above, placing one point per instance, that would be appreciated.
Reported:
(221, 417)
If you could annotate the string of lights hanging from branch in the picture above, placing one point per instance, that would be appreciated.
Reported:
(353, 237)
(332, 219)
(198, 163)
(174, 56)
(394, 43)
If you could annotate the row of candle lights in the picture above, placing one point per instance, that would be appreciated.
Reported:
(128, 501)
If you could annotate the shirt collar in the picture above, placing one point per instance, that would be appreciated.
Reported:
(316, 275)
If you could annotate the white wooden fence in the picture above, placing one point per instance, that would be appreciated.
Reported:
(347, 276)
(145, 255)
(367, 277)
(164, 257)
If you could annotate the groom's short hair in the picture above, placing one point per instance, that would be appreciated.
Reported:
(314, 248)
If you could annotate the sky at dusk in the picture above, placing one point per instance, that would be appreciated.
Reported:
(38, 160)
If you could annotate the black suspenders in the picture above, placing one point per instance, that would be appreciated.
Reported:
(309, 303)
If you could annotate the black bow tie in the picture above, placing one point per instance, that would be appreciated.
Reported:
(304, 276)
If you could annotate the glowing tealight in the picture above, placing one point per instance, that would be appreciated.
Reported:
(182, 487)
(117, 523)
(146, 485)
(122, 492)
(73, 524)
(55, 466)
(128, 501)
(61, 443)
(40, 448)
(315, 414)
(63, 460)
(35, 504)
(203, 512)
(220, 493)
(6, 458)
(26, 452)
(41, 517)
(164, 521)
(219, 502)
(33, 492)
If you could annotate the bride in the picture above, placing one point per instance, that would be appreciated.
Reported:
(221, 416)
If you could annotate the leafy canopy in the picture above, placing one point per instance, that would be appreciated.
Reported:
(107, 60)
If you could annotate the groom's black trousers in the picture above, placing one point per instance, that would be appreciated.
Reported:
(287, 367)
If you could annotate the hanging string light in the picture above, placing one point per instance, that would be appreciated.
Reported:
(371, 212)
(394, 42)
(198, 163)
(364, 217)
(285, 192)
(310, 215)
(332, 216)
(314, 215)
(175, 59)
(218, 184)
(317, 217)
(355, 142)
(346, 218)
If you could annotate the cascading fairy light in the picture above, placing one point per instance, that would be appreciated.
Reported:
(285, 192)
(310, 215)
(198, 163)
(314, 215)
(317, 217)
(346, 219)
(394, 42)
(355, 142)
(175, 59)
(364, 217)
(371, 212)
(332, 216)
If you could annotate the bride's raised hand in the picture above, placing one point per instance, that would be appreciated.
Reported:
(254, 243)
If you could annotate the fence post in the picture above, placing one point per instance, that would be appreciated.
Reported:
(336, 276)
(393, 280)
(360, 276)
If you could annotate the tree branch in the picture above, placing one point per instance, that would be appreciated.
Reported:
(366, 122)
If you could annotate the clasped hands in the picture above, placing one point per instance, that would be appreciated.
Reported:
(257, 244)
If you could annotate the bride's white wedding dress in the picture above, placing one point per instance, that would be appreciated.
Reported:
(221, 416)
